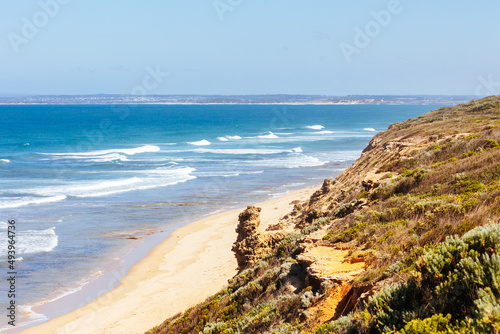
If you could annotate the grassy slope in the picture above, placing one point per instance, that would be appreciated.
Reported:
(417, 183)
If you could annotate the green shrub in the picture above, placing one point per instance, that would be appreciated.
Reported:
(345, 209)
(472, 136)
(469, 154)
(491, 144)
(216, 328)
(436, 324)
(387, 176)
(459, 277)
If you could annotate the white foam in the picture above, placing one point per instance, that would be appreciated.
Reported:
(162, 178)
(3, 225)
(32, 316)
(170, 171)
(127, 151)
(22, 201)
(294, 160)
(241, 151)
(268, 136)
(218, 174)
(27, 144)
(69, 291)
(370, 129)
(326, 132)
(100, 188)
(233, 137)
(32, 242)
(226, 173)
(109, 157)
(29, 318)
(222, 138)
(339, 156)
(315, 127)
(148, 179)
(138, 150)
(5, 161)
(202, 142)
(297, 150)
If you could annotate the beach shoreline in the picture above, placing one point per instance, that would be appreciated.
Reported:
(192, 263)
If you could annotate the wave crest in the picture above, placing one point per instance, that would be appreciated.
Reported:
(146, 179)
(293, 160)
(242, 151)
(33, 241)
(315, 127)
(101, 154)
(270, 135)
(202, 142)
(326, 132)
(22, 201)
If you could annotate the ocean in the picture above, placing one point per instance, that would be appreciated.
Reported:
(88, 184)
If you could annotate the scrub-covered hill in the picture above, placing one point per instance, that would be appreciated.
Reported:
(405, 240)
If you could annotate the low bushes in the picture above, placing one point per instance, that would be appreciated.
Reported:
(455, 288)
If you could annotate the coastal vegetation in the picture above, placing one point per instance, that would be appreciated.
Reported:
(415, 222)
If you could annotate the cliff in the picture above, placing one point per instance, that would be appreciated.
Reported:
(405, 240)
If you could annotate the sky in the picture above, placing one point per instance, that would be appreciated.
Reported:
(227, 47)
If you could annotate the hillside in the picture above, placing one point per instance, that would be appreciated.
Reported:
(405, 240)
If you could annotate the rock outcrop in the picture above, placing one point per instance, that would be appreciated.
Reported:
(329, 266)
(252, 244)
(327, 263)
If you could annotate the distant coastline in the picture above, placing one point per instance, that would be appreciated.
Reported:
(235, 99)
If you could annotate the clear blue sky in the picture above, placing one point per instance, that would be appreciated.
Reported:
(260, 47)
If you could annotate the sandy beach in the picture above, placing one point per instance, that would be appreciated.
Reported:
(193, 263)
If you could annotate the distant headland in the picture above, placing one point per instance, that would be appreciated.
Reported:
(235, 99)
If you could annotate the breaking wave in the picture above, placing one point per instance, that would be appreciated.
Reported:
(127, 151)
(202, 142)
(315, 127)
(270, 135)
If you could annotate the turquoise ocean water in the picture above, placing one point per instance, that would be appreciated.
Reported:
(79, 180)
